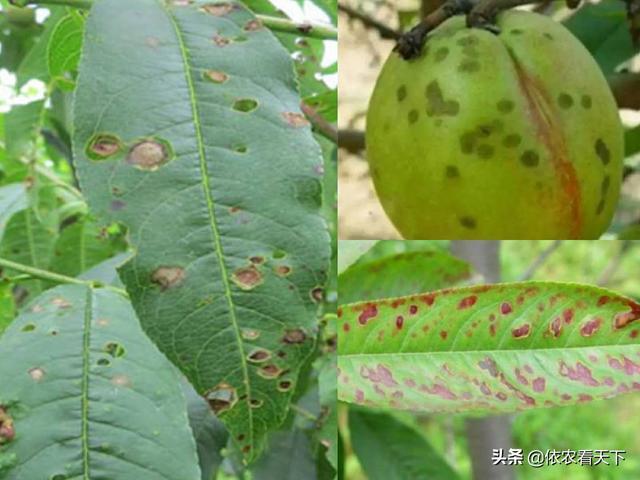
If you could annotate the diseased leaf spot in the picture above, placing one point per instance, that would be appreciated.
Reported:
(114, 349)
(413, 309)
(221, 41)
(256, 260)
(36, 374)
(580, 374)
(359, 396)
(399, 322)
(530, 158)
(247, 278)
(216, 76)
(317, 294)
(218, 9)
(253, 25)
(380, 374)
(522, 331)
(117, 205)
(443, 334)
(259, 355)
(467, 302)
(370, 311)
(506, 308)
(467, 222)
(256, 403)
(168, 277)
(505, 106)
(270, 371)
(285, 385)
(346, 327)
(296, 120)
(539, 384)
(60, 302)
(103, 146)
(555, 327)
(590, 327)
(294, 336)
(121, 381)
(29, 327)
(104, 362)
(602, 151)
(222, 397)
(401, 93)
(249, 334)
(565, 101)
(282, 270)
(149, 155)
(245, 105)
(623, 319)
(7, 429)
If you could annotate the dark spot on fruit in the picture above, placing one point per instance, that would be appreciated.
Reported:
(317, 294)
(114, 349)
(505, 106)
(452, 171)
(245, 105)
(521, 331)
(530, 158)
(600, 207)
(605, 185)
(485, 151)
(260, 355)
(413, 116)
(220, 398)
(467, 40)
(436, 104)
(585, 101)
(216, 76)
(149, 155)
(285, 385)
(270, 371)
(441, 54)
(247, 278)
(401, 93)
(103, 146)
(218, 9)
(295, 335)
(602, 151)
(565, 101)
(548, 35)
(467, 142)
(469, 66)
(467, 302)
(168, 277)
(512, 140)
(296, 120)
(467, 222)
(253, 25)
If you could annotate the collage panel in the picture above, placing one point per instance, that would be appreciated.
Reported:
(476, 120)
(510, 360)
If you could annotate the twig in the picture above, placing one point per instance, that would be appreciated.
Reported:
(305, 413)
(327, 129)
(285, 25)
(538, 262)
(371, 23)
(42, 274)
(626, 89)
(351, 140)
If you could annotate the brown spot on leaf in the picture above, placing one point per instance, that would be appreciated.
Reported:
(282, 270)
(168, 277)
(148, 155)
(260, 355)
(270, 371)
(218, 9)
(216, 76)
(296, 335)
(221, 397)
(103, 146)
(36, 374)
(522, 331)
(317, 294)
(256, 403)
(285, 385)
(294, 119)
(221, 41)
(247, 278)
(253, 25)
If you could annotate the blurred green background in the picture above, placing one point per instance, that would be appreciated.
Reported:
(605, 425)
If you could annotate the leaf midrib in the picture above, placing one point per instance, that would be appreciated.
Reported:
(211, 211)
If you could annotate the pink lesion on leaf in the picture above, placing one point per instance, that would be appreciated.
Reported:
(439, 390)
(539, 384)
(370, 311)
(484, 388)
(626, 365)
(567, 316)
(359, 396)
(555, 327)
(409, 383)
(522, 331)
(609, 382)
(467, 302)
(590, 327)
(380, 374)
(502, 396)
(623, 319)
(521, 378)
(583, 397)
(429, 298)
(413, 309)
(489, 365)
(579, 373)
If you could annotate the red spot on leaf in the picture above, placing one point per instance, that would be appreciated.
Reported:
(467, 302)
(428, 299)
(539, 384)
(603, 300)
(413, 309)
(346, 327)
(440, 390)
(501, 396)
(621, 320)
(489, 365)
(608, 381)
(590, 327)
(359, 396)
(583, 397)
(506, 308)
(627, 365)
(522, 331)
(399, 322)
(397, 302)
(443, 334)
(521, 378)
(380, 375)
(579, 374)
(409, 383)
(492, 329)
(369, 312)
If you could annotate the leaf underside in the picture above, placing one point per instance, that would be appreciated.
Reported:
(188, 131)
(88, 395)
(501, 348)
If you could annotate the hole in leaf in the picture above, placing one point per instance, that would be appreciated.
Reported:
(255, 403)
(103, 146)
(260, 355)
(245, 105)
(114, 349)
(222, 397)
(29, 327)
(104, 362)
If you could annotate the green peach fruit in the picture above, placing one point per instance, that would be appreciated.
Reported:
(508, 136)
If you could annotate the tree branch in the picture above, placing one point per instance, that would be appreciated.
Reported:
(370, 23)
(351, 140)
(538, 262)
(327, 129)
(626, 89)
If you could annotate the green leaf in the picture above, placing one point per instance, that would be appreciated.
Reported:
(390, 450)
(494, 348)
(63, 52)
(7, 304)
(106, 272)
(83, 245)
(289, 457)
(196, 144)
(89, 395)
(209, 432)
(22, 125)
(632, 141)
(13, 198)
(350, 250)
(603, 30)
(401, 274)
(395, 247)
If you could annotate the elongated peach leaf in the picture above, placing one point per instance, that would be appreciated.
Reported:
(498, 347)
